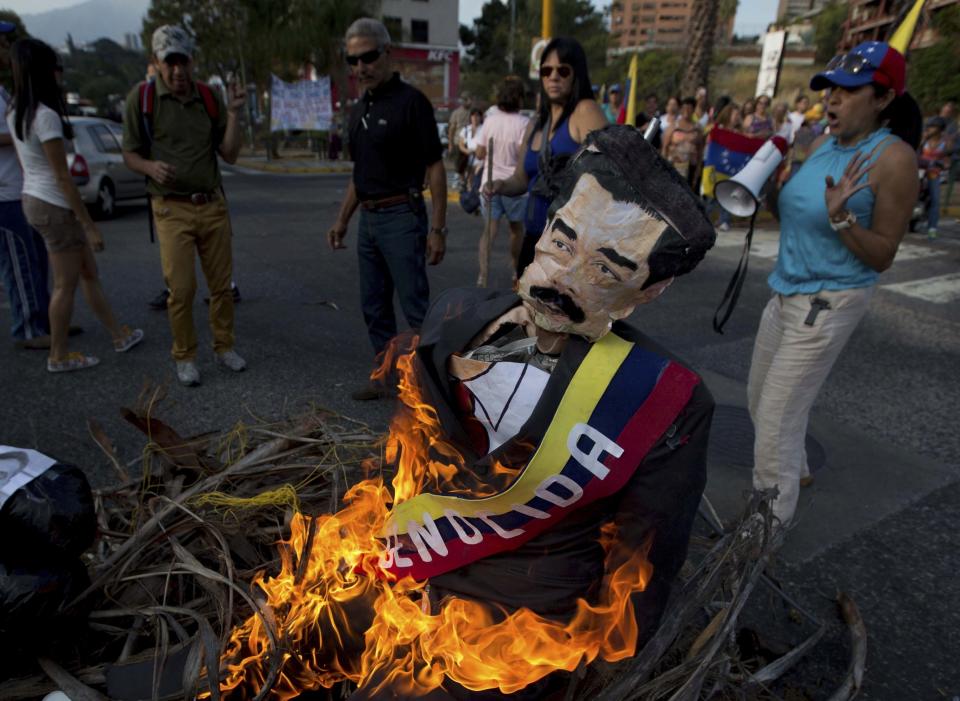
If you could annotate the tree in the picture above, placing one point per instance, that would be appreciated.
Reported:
(699, 56)
(828, 29)
(933, 74)
(487, 42)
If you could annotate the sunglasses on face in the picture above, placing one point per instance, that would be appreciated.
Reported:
(850, 63)
(176, 60)
(563, 70)
(366, 57)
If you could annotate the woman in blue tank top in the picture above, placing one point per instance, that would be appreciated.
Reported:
(567, 113)
(842, 217)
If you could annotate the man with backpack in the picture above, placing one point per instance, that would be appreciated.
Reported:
(174, 128)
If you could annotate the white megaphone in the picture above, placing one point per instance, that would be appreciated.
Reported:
(740, 194)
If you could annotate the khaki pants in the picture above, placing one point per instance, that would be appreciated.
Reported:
(182, 228)
(790, 363)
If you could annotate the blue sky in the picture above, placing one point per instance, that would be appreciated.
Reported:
(753, 16)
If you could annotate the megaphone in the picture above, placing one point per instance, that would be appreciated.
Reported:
(740, 194)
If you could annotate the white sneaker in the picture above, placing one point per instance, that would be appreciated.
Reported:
(723, 227)
(230, 359)
(187, 373)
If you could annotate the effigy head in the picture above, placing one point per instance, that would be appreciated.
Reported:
(622, 228)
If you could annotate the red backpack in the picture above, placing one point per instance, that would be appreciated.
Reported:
(148, 93)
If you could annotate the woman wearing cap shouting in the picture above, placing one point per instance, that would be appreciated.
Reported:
(842, 217)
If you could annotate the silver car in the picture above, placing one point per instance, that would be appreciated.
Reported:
(96, 164)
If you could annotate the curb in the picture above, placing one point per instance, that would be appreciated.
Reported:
(267, 167)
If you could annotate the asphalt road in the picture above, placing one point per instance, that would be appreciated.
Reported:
(881, 522)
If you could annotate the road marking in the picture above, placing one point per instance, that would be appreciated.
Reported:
(911, 251)
(939, 290)
(766, 244)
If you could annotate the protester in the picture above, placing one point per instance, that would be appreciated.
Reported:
(615, 100)
(749, 107)
(803, 140)
(727, 117)
(798, 115)
(507, 128)
(459, 118)
(683, 142)
(934, 159)
(394, 145)
(651, 106)
(670, 114)
(468, 142)
(701, 112)
(52, 203)
(842, 217)
(567, 113)
(781, 121)
(173, 130)
(949, 114)
(23, 257)
(759, 123)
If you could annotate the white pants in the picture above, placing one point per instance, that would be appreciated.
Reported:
(790, 363)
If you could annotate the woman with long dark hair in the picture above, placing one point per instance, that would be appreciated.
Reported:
(842, 217)
(53, 205)
(566, 113)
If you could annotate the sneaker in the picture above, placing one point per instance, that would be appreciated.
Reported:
(131, 337)
(160, 301)
(231, 359)
(236, 295)
(932, 233)
(187, 373)
(73, 361)
(723, 227)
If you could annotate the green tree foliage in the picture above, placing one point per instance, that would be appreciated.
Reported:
(933, 74)
(828, 29)
(103, 72)
(487, 42)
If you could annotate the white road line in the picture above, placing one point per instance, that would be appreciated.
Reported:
(911, 251)
(939, 290)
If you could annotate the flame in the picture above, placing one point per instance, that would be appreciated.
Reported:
(341, 619)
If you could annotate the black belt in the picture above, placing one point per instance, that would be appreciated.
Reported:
(384, 202)
(195, 197)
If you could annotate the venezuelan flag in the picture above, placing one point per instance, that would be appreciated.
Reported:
(726, 154)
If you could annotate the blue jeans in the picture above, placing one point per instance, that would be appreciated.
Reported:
(391, 248)
(933, 211)
(711, 204)
(25, 269)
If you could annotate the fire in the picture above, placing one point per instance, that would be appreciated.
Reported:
(341, 619)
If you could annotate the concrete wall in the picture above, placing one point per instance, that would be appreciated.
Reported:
(442, 16)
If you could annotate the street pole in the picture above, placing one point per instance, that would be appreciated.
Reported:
(513, 30)
(546, 22)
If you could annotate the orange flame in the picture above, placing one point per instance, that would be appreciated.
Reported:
(341, 620)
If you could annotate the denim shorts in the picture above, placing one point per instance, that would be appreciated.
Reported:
(58, 226)
(513, 208)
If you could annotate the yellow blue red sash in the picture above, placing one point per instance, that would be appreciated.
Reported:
(619, 402)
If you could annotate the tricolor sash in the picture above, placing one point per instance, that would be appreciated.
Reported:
(620, 401)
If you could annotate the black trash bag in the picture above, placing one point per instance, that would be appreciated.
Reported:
(33, 596)
(52, 512)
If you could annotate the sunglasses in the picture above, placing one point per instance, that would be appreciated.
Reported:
(366, 57)
(850, 63)
(176, 60)
(563, 70)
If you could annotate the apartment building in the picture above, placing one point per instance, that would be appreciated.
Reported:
(875, 20)
(426, 39)
(646, 24)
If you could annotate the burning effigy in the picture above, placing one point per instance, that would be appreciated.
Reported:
(549, 460)
(522, 531)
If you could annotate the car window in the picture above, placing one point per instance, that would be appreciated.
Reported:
(104, 139)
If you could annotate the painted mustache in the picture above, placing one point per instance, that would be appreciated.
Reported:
(560, 301)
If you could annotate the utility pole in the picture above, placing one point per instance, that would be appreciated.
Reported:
(513, 31)
(546, 21)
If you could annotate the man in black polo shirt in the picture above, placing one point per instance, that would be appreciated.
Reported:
(394, 144)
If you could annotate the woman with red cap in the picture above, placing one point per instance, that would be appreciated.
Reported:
(842, 216)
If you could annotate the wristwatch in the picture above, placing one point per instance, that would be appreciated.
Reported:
(442, 231)
(840, 224)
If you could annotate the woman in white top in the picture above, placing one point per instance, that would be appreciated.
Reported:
(53, 205)
(469, 143)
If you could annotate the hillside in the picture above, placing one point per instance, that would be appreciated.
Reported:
(88, 21)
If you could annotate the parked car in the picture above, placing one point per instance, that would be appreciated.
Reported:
(96, 164)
